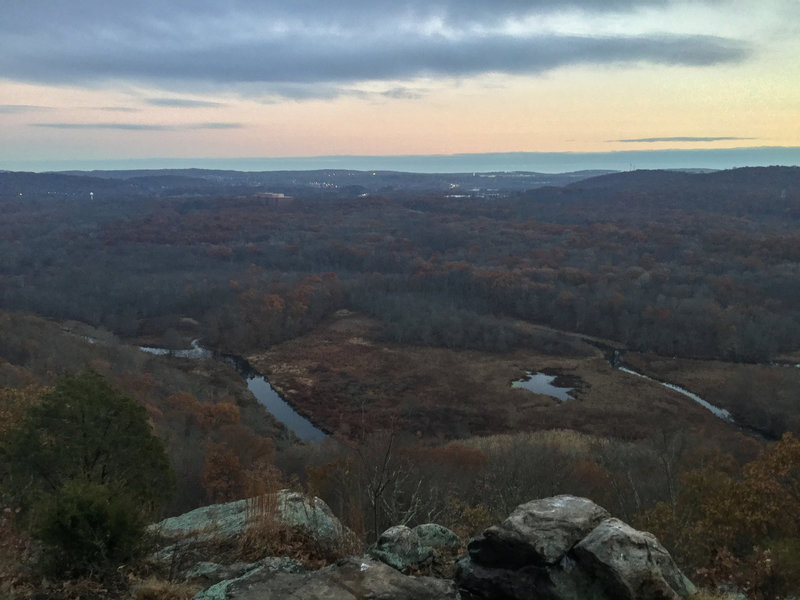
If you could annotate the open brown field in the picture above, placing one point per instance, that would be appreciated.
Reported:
(345, 382)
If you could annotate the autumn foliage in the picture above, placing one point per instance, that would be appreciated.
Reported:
(738, 526)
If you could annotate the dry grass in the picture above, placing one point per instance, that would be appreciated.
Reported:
(761, 396)
(265, 535)
(157, 589)
(15, 548)
(347, 386)
(566, 441)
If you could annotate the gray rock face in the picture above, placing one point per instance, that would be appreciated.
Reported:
(537, 532)
(239, 572)
(632, 563)
(564, 548)
(348, 579)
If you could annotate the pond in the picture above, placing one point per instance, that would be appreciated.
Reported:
(541, 383)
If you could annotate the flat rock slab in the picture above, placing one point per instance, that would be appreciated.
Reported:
(348, 579)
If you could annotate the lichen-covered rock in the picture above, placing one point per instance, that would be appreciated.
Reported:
(436, 536)
(400, 548)
(310, 514)
(217, 519)
(230, 519)
(446, 547)
(348, 579)
(212, 533)
(539, 532)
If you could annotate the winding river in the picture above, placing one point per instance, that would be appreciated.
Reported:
(271, 400)
(716, 410)
(258, 386)
(308, 432)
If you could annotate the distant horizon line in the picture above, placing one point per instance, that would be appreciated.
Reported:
(537, 162)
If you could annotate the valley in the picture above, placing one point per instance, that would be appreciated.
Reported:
(397, 315)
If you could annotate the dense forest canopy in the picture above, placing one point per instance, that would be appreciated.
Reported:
(696, 265)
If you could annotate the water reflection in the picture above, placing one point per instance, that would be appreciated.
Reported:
(257, 384)
(541, 383)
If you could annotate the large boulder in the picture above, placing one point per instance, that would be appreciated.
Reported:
(567, 547)
(630, 563)
(348, 579)
(312, 515)
(215, 534)
(437, 537)
(446, 547)
(231, 518)
(538, 532)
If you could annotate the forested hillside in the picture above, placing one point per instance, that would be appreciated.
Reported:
(696, 265)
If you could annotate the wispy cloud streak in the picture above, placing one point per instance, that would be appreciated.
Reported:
(138, 126)
(183, 103)
(683, 139)
(21, 108)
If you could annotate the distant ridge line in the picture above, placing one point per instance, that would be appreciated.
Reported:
(535, 162)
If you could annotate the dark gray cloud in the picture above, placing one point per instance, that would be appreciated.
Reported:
(685, 139)
(340, 60)
(402, 93)
(182, 103)
(102, 17)
(273, 93)
(138, 126)
(311, 48)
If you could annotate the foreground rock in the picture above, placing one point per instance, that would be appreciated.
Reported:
(348, 579)
(208, 543)
(429, 549)
(560, 548)
(230, 519)
(564, 548)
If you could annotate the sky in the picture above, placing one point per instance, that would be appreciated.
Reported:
(183, 82)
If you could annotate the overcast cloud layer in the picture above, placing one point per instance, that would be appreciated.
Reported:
(122, 79)
(178, 45)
